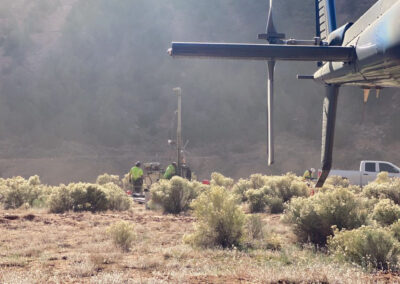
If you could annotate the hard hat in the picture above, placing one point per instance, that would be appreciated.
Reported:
(174, 164)
(137, 164)
(312, 170)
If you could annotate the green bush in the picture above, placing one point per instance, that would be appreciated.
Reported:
(367, 246)
(218, 179)
(122, 234)
(275, 205)
(17, 191)
(220, 219)
(337, 181)
(257, 181)
(174, 195)
(386, 212)
(384, 188)
(60, 200)
(285, 187)
(241, 187)
(117, 199)
(106, 178)
(257, 200)
(88, 197)
(313, 217)
(395, 229)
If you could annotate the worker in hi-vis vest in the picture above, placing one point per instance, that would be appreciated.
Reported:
(170, 171)
(136, 178)
(308, 174)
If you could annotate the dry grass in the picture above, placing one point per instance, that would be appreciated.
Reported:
(74, 248)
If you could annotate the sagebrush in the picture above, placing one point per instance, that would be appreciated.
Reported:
(175, 195)
(314, 217)
(386, 212)
(367, 246)
(220, 219)
(122, 234)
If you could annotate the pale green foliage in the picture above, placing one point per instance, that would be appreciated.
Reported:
(386, 212)
(384, 187)
(122, 234)
(257, 200)
(254, 228)
(88, 197)
(337, 181)
(218, 179)
(175, 195)
(258, 180)
(60, 200)
(276, 189)
(313, 217)
(106, 178)
(280, 189)
(17, 191)
(285, 187)
(275, 204)
(125, 181)
(367, 246)
(383, 177)
(241, 187)
(220, 219)
(395, 229)
(117, 199)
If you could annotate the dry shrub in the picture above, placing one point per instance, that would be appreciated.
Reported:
(220, 219)
(117, 199)
(218, 179)
(175, 195)
(337, 181)
(275, 204)
(88, 197)
(313, 217)
(384, 188)
(125, 182)
(367, 246)
(258, 180)
(17, 191)
(60, 200)
(122, 234)
(285, 187)
(395, 230)
(254, 228)
(386, 212)
(241, 187)
(107, 178)
(257, 200)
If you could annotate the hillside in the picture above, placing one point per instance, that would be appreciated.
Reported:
(86, 87)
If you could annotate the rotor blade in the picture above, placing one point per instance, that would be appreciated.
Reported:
(328, 131)
(269, 52)
(270, 109)
(270, 23)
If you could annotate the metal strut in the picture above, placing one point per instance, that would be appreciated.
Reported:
(328, 131)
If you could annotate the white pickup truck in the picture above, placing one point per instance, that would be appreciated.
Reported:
(368, 172)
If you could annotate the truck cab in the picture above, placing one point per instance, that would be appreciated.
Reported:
(368, 172)
(370, 169)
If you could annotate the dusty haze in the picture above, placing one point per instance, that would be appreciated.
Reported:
(86, 88)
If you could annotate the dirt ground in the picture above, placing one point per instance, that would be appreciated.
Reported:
(38, 247)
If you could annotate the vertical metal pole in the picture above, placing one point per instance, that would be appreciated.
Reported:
(328, 131)
(178, 92)
(270, 111)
